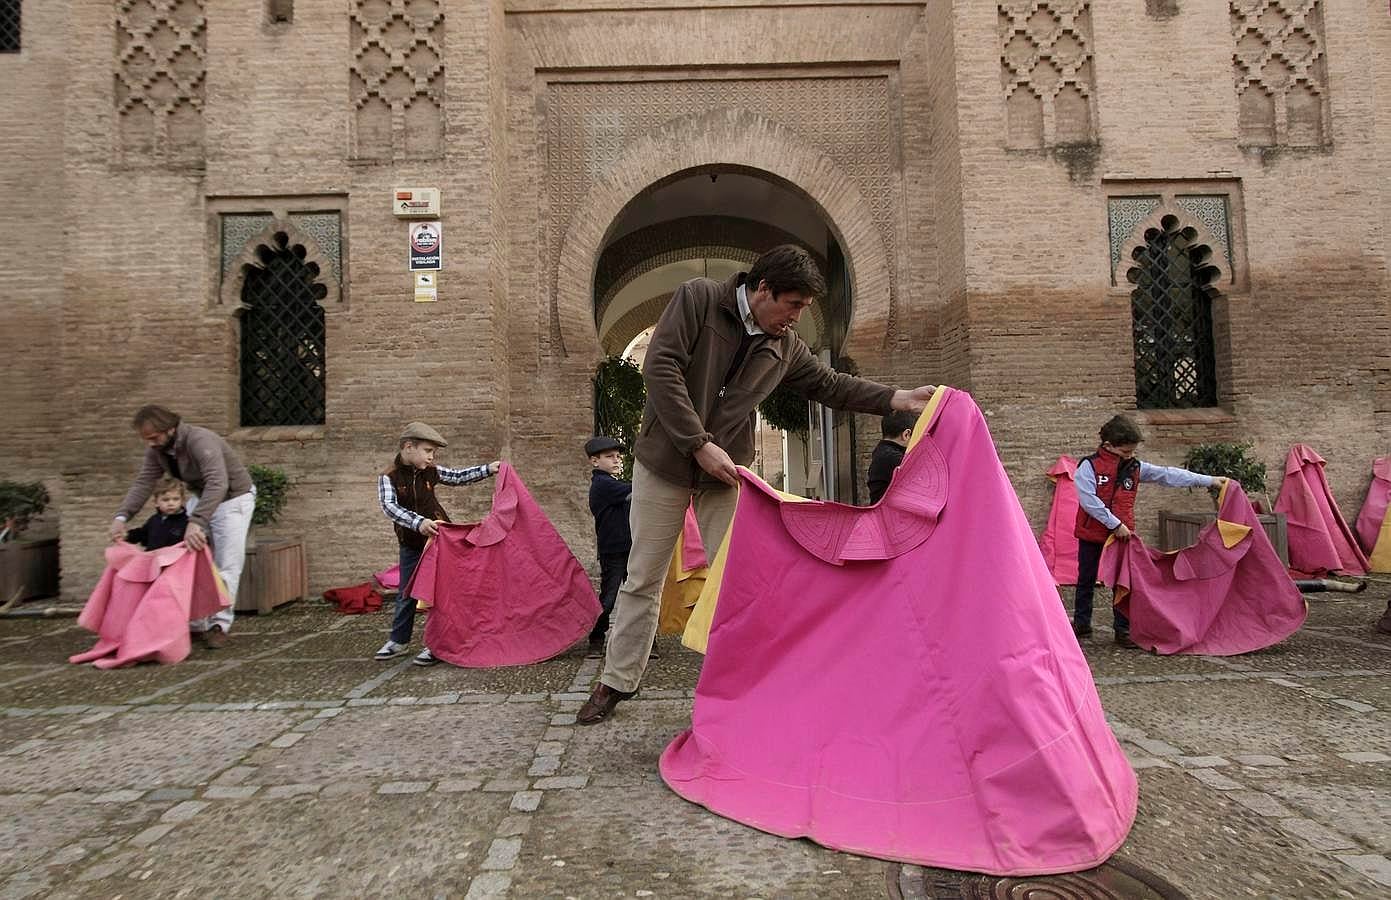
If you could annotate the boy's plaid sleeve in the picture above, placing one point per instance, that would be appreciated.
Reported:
(463, 476)
(386, 495)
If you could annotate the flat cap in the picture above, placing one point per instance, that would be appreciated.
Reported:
(596, 445)
(419, 431)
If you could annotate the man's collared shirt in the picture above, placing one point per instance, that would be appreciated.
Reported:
(745, 313)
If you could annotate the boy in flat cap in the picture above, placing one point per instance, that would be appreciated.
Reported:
(406, 491)
(609, 498)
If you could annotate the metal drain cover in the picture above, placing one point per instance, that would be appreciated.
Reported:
(1115, 880)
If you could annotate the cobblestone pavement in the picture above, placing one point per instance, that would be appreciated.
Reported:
(290, 763)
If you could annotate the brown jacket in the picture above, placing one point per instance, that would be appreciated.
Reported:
(689, 403)
(203, 461)
(415, 491)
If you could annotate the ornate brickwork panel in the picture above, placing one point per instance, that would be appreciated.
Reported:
(1123, 214)
(323, 228)
(1047, 73)
(589, 125)
(1211, 210)
(160, 69)
(1281, 73)
(396, 78)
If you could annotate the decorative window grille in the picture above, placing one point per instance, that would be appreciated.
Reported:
(1171, 313)
(282, 338)
(9, 26)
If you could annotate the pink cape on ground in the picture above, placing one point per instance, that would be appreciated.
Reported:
(900, 681)
(1319, 538)
(1373, 524)
(1227, 594)
(389, 578)
(1059, 540)
(143, 603)
(505, 591)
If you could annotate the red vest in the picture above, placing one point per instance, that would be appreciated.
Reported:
(1116, 482)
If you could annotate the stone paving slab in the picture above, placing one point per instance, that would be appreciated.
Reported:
(1310, 650)
(1355, 801)
(413, 743)
(630, 741)
(1215, 849)
(1373, 691)
(545, 677)
(377, 846)
(1227, 718)
(34, 827)
(269, 680)
(89, 685)
(615, 842)
(142, 751)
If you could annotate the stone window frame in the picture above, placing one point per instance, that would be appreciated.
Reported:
(1233, 284)
(225, 285)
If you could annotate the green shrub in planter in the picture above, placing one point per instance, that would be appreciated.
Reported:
(20, 502)
(1234, 461)
(272, 490)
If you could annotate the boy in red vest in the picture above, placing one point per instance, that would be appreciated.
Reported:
(406, 492)
(1106, 484)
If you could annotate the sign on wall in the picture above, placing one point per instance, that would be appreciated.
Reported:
(426, 250)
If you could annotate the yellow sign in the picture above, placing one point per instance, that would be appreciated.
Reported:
(426, 287)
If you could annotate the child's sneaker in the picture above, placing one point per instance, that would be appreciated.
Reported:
(390, 650)
(424, 658)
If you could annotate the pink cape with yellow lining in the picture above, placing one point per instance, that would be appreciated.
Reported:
(1227, 594)
(901, 681)
(141, 607)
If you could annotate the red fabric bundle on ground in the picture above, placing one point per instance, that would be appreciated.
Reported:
(355, 600)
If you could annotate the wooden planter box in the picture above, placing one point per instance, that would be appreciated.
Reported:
(1179, 530)
(28, 569)
(276, 572)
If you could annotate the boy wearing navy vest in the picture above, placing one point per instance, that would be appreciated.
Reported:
(1106, 485)
(406, 492)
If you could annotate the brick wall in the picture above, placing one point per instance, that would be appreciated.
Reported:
(975, 265)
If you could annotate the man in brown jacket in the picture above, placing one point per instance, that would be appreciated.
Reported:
(717, 352)
(219, 514)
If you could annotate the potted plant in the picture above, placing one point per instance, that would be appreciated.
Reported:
(1236, 461)
(276, 569)
(28, 568)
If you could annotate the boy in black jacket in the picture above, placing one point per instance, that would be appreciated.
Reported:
(166, 527)
(609, 499)
(897, 428)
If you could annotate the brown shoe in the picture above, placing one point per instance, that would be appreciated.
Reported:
(601, 702)
(214, 638)
(1124, 642)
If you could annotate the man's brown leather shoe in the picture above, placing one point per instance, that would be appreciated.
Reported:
(214, 638)
(601, 702)
(1124, 642)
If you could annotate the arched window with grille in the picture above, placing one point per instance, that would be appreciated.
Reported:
(282, 337)
(1171, 317)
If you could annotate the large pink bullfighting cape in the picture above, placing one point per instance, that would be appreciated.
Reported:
(143, 603)
(901, 681)
(1059, 542)
(1373, 523)
(1319, 537)
(1227, 594)
(505, 591)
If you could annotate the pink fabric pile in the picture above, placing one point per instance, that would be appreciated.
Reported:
(1320, 539)
(1059, 542)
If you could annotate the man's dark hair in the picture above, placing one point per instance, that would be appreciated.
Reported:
(156, 416)
(897, 422)
(788, 268)
(1121, 430)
